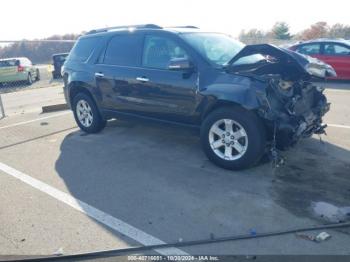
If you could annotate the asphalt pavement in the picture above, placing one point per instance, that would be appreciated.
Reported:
(136, 183)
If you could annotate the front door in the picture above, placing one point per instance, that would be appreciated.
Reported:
(159, 91)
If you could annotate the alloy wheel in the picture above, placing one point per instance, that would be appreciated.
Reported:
(228, 139)
(84, 113)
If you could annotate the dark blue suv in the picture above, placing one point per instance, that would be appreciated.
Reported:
(247, 100)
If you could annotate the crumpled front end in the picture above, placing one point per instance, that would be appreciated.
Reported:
(290, 102)
(293, 110)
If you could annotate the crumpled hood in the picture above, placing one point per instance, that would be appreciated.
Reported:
(305, 64)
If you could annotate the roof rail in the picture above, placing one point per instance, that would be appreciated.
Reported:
(106, 29)
(184, 26)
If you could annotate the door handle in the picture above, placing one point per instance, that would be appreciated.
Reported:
(99, 75)
(142, 79)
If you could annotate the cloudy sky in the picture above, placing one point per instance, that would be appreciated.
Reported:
(41, 18)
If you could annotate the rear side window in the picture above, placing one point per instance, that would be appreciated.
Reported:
(310, 49)
(6, 63)
(123, 50)
(335, 49)
(83, 49)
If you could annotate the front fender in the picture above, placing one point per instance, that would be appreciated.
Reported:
(240, 90)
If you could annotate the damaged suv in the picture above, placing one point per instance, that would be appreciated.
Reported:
(247, 100)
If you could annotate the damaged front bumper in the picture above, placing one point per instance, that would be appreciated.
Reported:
(290, 103)
(293, 113)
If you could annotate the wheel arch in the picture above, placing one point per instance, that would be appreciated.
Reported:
(242, 93)
(76, 88)
(220, 103)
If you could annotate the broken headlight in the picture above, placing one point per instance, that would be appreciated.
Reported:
(319, 69)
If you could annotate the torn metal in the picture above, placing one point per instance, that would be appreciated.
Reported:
(289, 100)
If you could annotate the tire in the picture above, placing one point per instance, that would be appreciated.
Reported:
(37, 78)
(245, 144)
(93, 122)
(29, 79)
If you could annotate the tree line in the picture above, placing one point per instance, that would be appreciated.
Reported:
(280, 32)
(41, 52)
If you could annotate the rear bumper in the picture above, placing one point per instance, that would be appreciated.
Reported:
(14, 78)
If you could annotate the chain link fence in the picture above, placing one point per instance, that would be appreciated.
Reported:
(22, 62)
(37, 64)
(28, 65)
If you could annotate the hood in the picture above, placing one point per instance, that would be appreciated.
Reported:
(305, 64)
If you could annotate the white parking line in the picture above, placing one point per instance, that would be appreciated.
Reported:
(35, 120)
(340, 126)
(102, 217)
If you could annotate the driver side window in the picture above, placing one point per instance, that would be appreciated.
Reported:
(159, 51)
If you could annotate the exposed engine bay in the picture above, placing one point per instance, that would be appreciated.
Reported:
(295, 110)
(290, 101)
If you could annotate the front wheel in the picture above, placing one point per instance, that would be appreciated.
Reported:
(86, 114)
(233, 138)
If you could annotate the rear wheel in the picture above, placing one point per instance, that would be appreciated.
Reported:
(29, 79)
(233, 138)
(86, 114)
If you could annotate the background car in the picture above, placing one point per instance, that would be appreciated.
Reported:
(335, 52)
(18, 69)
(58, 61)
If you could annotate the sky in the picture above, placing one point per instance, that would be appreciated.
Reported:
(30, 19)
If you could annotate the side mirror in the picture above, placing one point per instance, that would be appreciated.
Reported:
(180, 64)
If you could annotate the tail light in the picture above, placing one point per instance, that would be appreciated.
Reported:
(20, 68)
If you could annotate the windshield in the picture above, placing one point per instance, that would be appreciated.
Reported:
(218, 48)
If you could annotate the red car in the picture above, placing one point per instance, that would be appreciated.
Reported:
(333, 52)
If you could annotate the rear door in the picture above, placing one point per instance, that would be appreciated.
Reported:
(117, 70)
(338, 56)
(8, 70)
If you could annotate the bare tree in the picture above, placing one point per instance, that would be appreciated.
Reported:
(317, 30)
